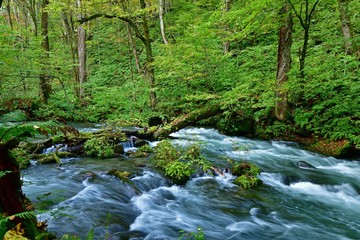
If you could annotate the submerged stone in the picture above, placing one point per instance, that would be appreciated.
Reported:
(305, 165)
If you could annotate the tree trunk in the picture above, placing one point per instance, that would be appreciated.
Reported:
(8, 8)
(162, 27)
(71, 41)
(12, 199)
(32, 11)
(82, 59)
(81, 54)
(45, 86)
(149, 68)
(226, 43)
(305, 22)
(345, 25)
(284, 62)
(134, 51)
(303, 52)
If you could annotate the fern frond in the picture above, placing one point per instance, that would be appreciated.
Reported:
(3, 173)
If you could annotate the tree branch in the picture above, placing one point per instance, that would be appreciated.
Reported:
(297, 14)
(125, 19)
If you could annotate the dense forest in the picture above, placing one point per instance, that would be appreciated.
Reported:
(262, 68)
(271, 67)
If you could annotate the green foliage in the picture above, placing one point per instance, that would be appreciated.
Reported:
(247, 175)
(3, 173)
(15, 116)
(179, 164)
(21, 156)
(199, 235)
(23, 215)
(10, 131)
(247, 182)
(143, 151)
(100, 147)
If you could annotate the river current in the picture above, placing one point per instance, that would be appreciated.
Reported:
(292, 203)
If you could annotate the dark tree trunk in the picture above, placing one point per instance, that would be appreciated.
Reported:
(12, 199)
(346, 25)
(305, 21)
(45, 85)
(8, 8)
(284, 61)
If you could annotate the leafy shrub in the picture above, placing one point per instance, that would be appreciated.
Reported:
(100, 147)
(143, 151)
(247, 175)
(179, 164)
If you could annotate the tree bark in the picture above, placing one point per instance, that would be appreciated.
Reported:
(284, 62)
(71, 41)
(162, 27)
(346, 25)
(82, 59)
(226, 42)
(12, 199)
(134, 51)
(81, 55)
(8, 8)
(45, 85)
(149, 68)
(305, 21)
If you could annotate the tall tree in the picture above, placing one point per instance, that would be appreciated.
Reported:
(81, 53)
(226, 10)
(304, 16)
(45, 86)
(162, 26)
(284, 60)
(346, 25)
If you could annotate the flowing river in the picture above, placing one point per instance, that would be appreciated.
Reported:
(292, 203)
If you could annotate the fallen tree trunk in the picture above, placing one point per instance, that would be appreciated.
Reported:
(191, 118)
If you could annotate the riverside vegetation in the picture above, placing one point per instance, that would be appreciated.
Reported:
(269, 69)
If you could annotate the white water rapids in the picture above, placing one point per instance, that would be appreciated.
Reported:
(293, 203)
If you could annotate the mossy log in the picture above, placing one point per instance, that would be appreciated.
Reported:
(50, 157)
(189, 119)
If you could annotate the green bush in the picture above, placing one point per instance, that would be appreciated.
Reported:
(179, 164)
(99, 147)
(247, 175)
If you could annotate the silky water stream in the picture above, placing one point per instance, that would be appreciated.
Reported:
(293, 203)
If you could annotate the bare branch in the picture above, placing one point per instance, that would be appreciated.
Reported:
(125, 19)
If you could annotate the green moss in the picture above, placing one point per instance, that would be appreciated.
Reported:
(247, 175)
(179, 164)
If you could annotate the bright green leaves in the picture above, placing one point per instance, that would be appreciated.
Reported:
(179, 164)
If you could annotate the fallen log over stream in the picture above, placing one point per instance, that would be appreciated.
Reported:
(189, 119)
